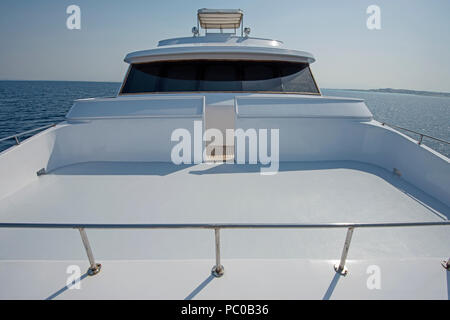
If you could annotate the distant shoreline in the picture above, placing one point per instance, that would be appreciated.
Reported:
(405, 91)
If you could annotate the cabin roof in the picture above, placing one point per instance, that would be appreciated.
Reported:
(219, 46)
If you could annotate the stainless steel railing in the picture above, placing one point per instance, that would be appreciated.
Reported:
(18, 135)
(421, 135)
(218, 270)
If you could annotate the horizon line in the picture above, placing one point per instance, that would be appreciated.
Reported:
(119, 82)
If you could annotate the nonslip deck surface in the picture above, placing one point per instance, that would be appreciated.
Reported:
(177, 263)
(117, 192)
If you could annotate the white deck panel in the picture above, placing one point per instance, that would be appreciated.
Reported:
(118, 192)
(324, 192)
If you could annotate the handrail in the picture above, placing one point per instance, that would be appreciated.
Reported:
(420, 134)
(18, 135)
(217, 225)
(218, 269)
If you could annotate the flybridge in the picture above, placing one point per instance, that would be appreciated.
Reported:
(220, 45)
(220, 19)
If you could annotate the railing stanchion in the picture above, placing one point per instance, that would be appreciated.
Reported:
(421, 138)
(17, 139)
(340, 268)
(94, 268)
(218, 270)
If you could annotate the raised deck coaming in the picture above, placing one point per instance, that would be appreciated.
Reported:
(193, 104)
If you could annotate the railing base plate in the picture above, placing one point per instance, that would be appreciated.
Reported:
(342, 272)
(218, 272)
(94, 271)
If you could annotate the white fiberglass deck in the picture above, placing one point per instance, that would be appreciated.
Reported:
(302, 192)
(136, 192)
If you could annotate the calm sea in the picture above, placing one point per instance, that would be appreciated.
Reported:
(25, 105)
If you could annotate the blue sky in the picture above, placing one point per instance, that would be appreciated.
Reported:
(411, 51)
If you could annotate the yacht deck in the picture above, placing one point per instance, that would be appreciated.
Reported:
(138, 193)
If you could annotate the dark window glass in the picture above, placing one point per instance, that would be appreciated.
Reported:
(143, 78)
(236, 76)
(261, 77)
(297, 76)
(221, 77)
(179, 77)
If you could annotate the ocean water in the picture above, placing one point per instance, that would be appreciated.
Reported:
(25, 105)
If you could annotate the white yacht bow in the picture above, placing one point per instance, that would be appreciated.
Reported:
(355, 209)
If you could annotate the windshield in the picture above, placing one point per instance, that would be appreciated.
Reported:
(209, 75)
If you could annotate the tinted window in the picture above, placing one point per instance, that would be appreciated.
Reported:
(179, 78)
(261, 77)
(143, 78)
(297, 76)
(220, 77)
(236, 76)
